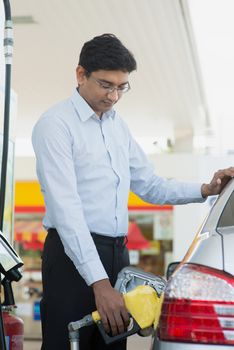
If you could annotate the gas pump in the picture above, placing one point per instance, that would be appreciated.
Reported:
(10, 262)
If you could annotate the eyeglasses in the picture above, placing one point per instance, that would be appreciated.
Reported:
(109, 88)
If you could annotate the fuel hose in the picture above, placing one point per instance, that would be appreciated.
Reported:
(8, 50)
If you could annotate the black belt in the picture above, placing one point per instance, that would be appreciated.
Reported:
(118, 241)
(97, 237)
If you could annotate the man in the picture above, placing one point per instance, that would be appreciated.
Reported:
(86, 163)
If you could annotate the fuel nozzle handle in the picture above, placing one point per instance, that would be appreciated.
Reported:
(88, 320)
(8, 293)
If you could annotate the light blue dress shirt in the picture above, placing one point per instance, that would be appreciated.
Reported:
(86, 167)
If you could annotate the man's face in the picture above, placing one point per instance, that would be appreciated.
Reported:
(102, 89)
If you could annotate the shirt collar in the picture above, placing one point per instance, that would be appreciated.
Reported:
(84, 110)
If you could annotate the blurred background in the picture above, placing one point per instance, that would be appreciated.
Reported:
(180, 110)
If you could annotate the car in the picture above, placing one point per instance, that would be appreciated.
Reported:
(198, 307)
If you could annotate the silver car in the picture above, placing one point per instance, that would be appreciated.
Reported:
(198, 307)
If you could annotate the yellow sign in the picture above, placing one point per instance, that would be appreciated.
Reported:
(28, 194)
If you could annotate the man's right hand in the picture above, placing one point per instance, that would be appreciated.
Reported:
(111, 307)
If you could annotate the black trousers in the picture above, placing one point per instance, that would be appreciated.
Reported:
(66, 296)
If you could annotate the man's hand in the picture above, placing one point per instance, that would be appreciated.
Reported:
(219, 181)
(110, 305)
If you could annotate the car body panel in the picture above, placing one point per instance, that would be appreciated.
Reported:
(212, 247)
(228, 247)
(163, 345)
(208, 251)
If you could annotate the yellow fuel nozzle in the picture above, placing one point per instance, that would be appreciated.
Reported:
(143, 304)
(95, 316)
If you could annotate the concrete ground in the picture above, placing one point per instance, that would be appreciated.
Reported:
(134, 343)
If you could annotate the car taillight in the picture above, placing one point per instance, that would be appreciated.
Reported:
(198, 306)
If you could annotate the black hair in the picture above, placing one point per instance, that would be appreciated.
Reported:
(108, 53)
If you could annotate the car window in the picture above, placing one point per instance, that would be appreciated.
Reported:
(227, 217)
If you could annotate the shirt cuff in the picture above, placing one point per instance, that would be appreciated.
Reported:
(92, 271)
(195, 192)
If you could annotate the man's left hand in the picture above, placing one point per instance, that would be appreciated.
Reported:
(219, 181)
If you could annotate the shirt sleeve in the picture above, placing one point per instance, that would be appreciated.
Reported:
(155, 189)
(52, 144)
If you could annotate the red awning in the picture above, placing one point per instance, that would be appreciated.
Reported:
(136, 240)
(30, 233)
